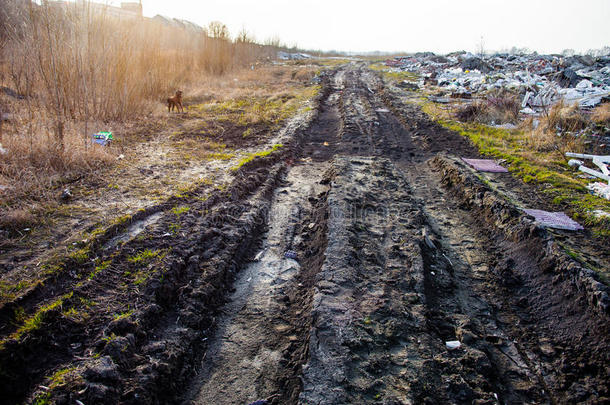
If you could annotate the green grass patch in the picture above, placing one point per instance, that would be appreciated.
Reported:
(270, 111)
(122, 315)
(59, 377)
(35, 321)
(99, 268)
(174, 228)
(262, 154)
(9, 291)
(140, 275)
(394, 75)
(146, 256)
(81, 255)
(180, 210)
(548, 170)
(219, 156)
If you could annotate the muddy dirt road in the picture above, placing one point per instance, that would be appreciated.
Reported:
(332, 272)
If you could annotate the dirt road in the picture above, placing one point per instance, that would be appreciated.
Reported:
(334, 272)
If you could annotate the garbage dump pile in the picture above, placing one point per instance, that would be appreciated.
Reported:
(541, 80)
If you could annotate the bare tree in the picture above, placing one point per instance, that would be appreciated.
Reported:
(218, 30)
(244, 37)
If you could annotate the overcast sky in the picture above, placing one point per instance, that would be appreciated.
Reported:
(422, 25)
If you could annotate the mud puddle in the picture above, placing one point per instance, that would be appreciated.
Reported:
(133, 230)
(246, 352)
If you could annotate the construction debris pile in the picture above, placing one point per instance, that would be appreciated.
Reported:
(541, 80)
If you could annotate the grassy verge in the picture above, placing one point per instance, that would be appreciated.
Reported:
(250, 112)
(251, 156)
(394, 75)
(549, 170)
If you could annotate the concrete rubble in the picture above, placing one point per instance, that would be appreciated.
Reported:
(541, 80)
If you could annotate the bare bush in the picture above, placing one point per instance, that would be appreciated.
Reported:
(75, 69)
(601, 114)
(475, 112)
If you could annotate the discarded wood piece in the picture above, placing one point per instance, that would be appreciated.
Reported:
(599, 161)
(485, 165)
(557, 220)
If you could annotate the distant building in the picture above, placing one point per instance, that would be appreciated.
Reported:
(178, 23)
(128, 10)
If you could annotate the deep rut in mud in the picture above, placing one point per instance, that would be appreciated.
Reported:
(334, 272)
(406, 268)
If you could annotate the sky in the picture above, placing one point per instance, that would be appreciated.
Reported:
(441, 26)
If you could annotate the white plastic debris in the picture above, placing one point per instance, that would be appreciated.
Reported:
(453, 344)
(600, 189)
(599, 161)
(527, 111)
(2, 150)
(601, 214)
(259, 255)
(575, 163)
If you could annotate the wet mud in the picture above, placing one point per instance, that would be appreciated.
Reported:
(342, 269)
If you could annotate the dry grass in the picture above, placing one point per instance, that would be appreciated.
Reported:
(498, 109)
(263, 81)
(503, 108)
(17, 220)
(557, 130)
(475, 112)
(75, 74)
(601, 114)
(564, 118)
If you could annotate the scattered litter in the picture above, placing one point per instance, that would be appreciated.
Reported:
(325, 143)
(442, 100)
(265, 401)
(166, 234)
(120, 157)
(11, 93)
(599, 161)
(433, 273)
(292, 56)
(557, 220)
(259, 255)
(424, 233)
(453, 344)
(290, 254)
(103, 138)
(450, 264)
(311, 225)
(575, 163)
(66, 194)
(485, 165)
(2, 150)
(527, 111)
(44, 387)
(541, 80)
(600, 189)
(78, 402)
(601, 214)
(2, 188)
(382, 110)
(506, 126)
